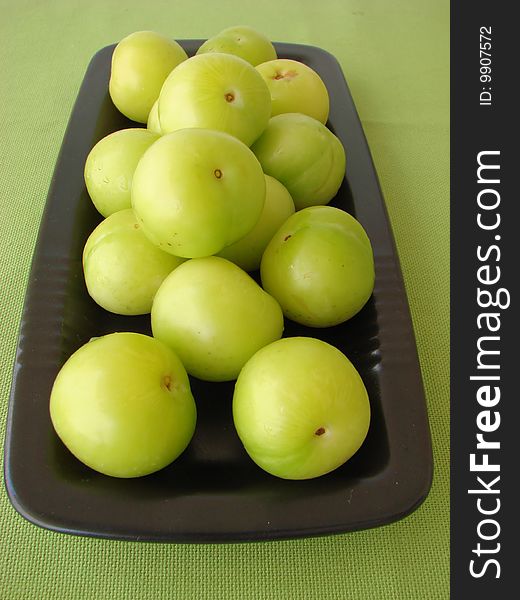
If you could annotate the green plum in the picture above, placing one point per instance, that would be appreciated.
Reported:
(295, 88)
(216, 91)
(140, 64)
(242, 41)
(278, 207)
(300, 408)
(153, 123)
(110, 167)
(123, 269)
(215, 317)
(304, 155)
(122, 405)
(319, 266)
(196, 191)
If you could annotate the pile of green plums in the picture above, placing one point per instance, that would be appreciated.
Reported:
(230, 172)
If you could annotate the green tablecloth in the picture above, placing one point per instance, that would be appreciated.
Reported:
(395, 57)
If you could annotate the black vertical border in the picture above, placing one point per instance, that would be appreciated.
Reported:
(476, 128)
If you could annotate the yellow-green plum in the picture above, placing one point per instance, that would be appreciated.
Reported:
(242, 41)
(300, 408)
(278, 207)
(123, 269)
(304, 155)
(295, 88)
(122, 405)
(140, 64)
(216, 91)
(110, 166)
(153, 123)
(196, 191)
(215, 317)
(319, 266)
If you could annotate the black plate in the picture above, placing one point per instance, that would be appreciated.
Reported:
(213, 492)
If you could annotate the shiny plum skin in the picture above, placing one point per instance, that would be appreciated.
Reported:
(241, 41)
(215, 317)
(140, 64)
(304, 155)
(123, 269)
(196, 191)
(319, 266)
(153, 124)
(110, 167)
(279, 206)
(295, 88)
(216, 91)
(300, 408)
(122, 405)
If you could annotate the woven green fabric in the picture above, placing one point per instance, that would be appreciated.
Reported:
(395, 56)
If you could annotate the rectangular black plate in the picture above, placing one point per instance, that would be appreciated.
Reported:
(213, 492)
